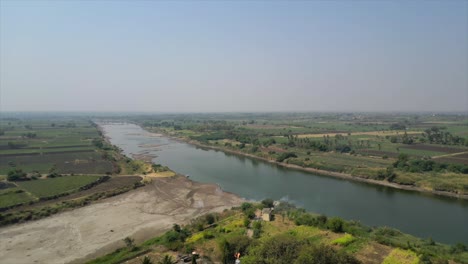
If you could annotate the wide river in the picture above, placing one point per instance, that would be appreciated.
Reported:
(423, 215)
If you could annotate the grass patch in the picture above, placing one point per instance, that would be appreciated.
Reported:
(400, 256)
(344, 240)
(13, 196)
(56, 186)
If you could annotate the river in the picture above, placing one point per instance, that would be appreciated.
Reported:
(421, 214)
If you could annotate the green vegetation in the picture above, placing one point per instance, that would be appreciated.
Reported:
(65, 145)
(13, 196)
(295, 237)
(56, 186)
(363, 145)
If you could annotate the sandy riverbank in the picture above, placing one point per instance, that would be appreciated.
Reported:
(97, 229)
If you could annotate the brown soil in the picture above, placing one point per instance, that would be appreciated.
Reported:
(454, 159)
(91, 231)
(378, 153)
(434, 148)
(374, 253)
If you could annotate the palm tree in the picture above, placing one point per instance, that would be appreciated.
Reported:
(167, 260)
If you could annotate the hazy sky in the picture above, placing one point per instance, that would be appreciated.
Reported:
(234, 56)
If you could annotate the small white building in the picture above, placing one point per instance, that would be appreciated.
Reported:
(267, 214)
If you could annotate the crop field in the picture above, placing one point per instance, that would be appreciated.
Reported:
(457, 159)
(112, 184)
(12, 196)
(71, 162)
(59, 144)
(369, 133)
(55, 186)
(436, 148)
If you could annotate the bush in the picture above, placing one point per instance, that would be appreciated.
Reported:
(246, 206)
(335, 224)
(233, 245)
(324, 254)
(285, 156)
(282, 248)
(267, 203)
(17, 175)
(210, 219)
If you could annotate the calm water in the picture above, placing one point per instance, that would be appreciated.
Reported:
(423, 215)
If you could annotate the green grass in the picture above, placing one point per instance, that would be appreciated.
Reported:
(56, 186)
(13, 196)
(344, 240)
(400, 256)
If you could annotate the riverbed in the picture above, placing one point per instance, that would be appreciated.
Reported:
(421, 214)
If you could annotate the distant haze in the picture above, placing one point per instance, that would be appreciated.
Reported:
(221, 56)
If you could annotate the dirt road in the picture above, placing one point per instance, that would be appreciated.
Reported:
(97, 229)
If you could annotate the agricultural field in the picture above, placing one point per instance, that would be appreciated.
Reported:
(13, 196)
(60, 144)
(45, 160)
(55, 186)
(33, 190)
(406, 149)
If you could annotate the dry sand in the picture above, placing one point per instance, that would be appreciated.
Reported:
(97, 229)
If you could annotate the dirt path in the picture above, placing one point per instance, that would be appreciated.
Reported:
(450, 155)
(97, 229)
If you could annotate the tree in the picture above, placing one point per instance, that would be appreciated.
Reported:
(17, 175)
(246, 206)
(167, 260)
(210, 219)
(335, 224)
(267, 203)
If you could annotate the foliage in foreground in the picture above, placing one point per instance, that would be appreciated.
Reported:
(295, 237)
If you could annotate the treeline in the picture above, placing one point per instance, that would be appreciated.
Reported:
(437, 135)
(404, 163)
(433, 135)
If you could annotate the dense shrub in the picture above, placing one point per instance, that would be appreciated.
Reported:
(286, 155)
(17, 175)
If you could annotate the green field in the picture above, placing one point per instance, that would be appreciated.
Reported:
(13, 196)
(60, 144)
(56, 186)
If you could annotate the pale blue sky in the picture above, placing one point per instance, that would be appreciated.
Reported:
(234, 56)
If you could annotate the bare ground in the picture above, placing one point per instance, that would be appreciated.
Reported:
(97, 229)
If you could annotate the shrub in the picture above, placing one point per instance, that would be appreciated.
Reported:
(335, 224)
(324, 254)
(17, 175)
(267, 203)
(285, 156)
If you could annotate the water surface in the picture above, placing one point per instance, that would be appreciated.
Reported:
(423, 215)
